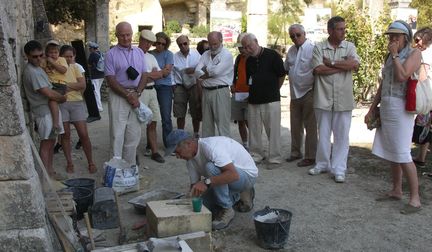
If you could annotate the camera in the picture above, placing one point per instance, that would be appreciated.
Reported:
(132, 73)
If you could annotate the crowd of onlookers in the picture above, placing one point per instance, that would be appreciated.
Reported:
(217, 89)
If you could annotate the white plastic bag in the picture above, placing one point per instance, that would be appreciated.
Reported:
(121, 176)
(144, 113)
(424, 96)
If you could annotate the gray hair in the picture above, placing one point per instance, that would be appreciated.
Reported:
(297, 26)
(249, 36)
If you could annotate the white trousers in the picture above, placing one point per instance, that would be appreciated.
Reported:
(269, 115)
(124, 127)
(333, 159)
(97, 84)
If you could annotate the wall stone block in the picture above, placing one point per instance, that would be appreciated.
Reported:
(29, 240)
(11, 111)
(16, 159)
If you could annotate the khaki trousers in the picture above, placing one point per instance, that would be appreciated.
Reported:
(216, 110)
(124, 127)
(302, 117)
(269, 115)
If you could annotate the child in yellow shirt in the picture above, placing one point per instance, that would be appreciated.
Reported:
(56, 68)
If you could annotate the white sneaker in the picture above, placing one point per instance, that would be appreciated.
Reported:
(340, 178)
(316, 171)
(257, 158)
(147, 152)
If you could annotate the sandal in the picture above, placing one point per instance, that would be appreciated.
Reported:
(69, 168)
(410, 209)
(387, 197)
(92, 168)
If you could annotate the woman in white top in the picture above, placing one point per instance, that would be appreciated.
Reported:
(393, 139)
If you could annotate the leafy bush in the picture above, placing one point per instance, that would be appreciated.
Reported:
(371, 47)
(172, 26)
(200, 31)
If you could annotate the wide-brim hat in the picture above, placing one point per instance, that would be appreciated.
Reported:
(397, 28)
(148, 35)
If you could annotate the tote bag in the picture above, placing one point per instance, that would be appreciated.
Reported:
(418, 95)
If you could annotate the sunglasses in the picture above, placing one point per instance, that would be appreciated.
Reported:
(160, 43)
(296, 35)
(37, 56)
(416, 40)
(183, 44)
(240, 47)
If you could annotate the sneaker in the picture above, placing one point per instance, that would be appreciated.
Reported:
(91, 119)
(147, 152)
(158, 158)
(246, 202)
(257, 158)
(340, 178)
(224, 219)
(316, 171)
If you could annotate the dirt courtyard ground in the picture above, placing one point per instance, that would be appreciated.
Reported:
(326, 216)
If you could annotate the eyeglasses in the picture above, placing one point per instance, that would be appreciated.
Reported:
(37, 56)
(296, 35)
(183, 44)
(416, 40)
(160, 43)
(240, 47)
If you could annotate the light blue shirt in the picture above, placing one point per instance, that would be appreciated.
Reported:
(164, 58)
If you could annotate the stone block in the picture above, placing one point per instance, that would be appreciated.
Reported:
(28, 240)
(169, 220)
(8, 74)
(12, 115)
(197, 241)
(16, 159)
(22, 204)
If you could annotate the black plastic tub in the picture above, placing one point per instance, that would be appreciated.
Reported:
(83, 198)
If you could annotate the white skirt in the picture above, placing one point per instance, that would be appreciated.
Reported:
(393, 139)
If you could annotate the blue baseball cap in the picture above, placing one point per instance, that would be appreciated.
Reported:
(174, 138)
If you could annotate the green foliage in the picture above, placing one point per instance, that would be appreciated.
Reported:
(68, 11)
(307, 2)
(244, 23)
(371, 47)
(200, 31)
(279, 21)
(172, 26)
(424, 17)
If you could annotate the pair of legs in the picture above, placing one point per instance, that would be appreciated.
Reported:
(410, 172)
(216, 110)
(81, 127)
(239, 113)
(165, 97)
(302, 117)
(97, 84)
(183, 97)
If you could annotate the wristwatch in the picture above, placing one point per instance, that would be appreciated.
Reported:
(395, 56)
(332, 63)
(207, 182)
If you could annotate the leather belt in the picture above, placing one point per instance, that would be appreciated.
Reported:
(215, 87)
(151, 87)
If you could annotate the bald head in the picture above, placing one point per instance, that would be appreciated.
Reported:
(124, 34)
(215, 41)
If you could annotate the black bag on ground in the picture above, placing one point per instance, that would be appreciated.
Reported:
(421, 134)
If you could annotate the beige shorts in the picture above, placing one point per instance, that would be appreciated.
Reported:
(182, 97)
(73, 111)
(239, 110)
(149, 98)
(45, 126)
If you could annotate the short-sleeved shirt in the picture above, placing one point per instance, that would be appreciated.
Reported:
(334, 91)
(164, 58)
(264, 71)
(93, 61)
(219, 68)
(72, 74)
(54, 75)
(181, 62)
(118, 59)
(221, 151)
(35, 78)
(151, 63)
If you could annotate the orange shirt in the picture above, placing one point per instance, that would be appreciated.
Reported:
(241, 84)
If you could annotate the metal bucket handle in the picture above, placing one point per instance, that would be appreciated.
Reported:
(268, 210)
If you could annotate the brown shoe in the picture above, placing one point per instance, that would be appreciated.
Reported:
(246, 201)
(225, 218)
(306, 162)
(290, 159)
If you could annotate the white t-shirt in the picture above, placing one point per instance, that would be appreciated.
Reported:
(151, 63)
(221, 151)
(427, 59)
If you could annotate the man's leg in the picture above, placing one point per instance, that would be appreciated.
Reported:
(296, 112)
(222, 111)
(150, 99)
(310, 125)
(272, 124)
(165, 96)
(195, 109)
(208, 126)
(324, 121)
(132, 137)
(97, 84)
(255, 132)
(340, 126)
(180, 105)
(119, 113)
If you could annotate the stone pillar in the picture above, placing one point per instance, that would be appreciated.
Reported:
(201, 14)
(97, 27)
(23, 223)
(257, 20)
(42, 29)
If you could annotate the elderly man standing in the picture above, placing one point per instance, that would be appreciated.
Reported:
(298, 65)
(229, 171)
(215, 69)
(149, 97)
(125, 74)
(265, 74)
(186, 91)
(334, 61)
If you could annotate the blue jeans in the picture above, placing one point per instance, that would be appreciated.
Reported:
(227, 195)
(165, 99)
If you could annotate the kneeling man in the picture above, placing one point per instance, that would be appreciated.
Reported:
(221, 171)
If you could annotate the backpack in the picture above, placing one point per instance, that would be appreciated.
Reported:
(101, 63)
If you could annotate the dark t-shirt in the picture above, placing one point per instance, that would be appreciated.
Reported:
(93, 60)
(265, 70)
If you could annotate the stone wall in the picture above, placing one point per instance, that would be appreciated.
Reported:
(23, 223)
